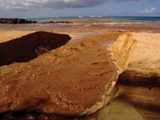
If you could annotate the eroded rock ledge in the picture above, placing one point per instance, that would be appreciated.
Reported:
(73, 80)
(132, 76)
(140, 78)
(28, 47)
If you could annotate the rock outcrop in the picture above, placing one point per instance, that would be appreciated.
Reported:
(76, 79)
(73, 80)
(141, 70)
(123, 49)
(15, 21)
(140, 81)
(57, 22)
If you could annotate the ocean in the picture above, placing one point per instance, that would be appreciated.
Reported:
(91, 23)
(101, 18)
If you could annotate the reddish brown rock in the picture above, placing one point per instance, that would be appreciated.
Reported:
(75, 79)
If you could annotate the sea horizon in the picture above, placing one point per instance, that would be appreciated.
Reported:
(101, 18)
(144, 23)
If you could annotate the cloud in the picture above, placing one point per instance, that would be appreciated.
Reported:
(147, 11)
(56, 4)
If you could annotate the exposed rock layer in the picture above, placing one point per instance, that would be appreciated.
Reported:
(140, 82)
(123, 49)
(140, 78)
(66, 81)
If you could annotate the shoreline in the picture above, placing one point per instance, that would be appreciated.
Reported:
(87, 25)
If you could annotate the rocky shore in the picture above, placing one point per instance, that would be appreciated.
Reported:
(15, 21)
(24, 21)
(56, 22)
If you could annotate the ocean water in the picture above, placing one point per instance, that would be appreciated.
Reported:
(49, 18)
(145, 24)
(101, 18)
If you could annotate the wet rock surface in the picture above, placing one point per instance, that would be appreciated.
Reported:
(30, 46)
(15, 21)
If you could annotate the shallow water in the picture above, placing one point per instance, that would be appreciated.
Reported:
(99, 18)
(89, 24)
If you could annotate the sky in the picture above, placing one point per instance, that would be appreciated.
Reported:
(71, 8)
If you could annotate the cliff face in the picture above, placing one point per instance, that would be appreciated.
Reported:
(28, 47)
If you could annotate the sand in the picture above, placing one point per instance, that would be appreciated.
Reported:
(9, 35)
(147, 53)
(145, 58)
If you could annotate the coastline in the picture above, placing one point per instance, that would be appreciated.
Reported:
(88, 24)
(145, 58)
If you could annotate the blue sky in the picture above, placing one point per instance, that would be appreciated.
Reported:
(65, 8)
